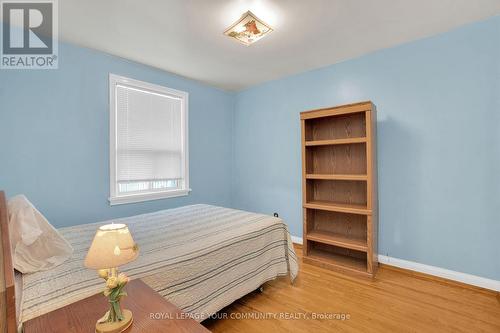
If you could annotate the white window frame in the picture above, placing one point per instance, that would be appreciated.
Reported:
(114, 198)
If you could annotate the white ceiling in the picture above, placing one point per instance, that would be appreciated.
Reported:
(186, 36)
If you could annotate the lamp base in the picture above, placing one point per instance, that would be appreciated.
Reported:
(116, 327)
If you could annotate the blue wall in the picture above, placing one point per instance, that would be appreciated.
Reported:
(54, 134)
(438, 146)
(438, 104)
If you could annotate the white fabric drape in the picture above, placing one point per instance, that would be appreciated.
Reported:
(36, 244)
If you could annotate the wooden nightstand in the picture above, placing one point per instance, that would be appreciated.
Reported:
(81, 316)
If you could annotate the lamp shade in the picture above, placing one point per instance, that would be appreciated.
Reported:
(112, 246)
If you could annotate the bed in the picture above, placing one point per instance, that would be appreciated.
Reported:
(200, 257)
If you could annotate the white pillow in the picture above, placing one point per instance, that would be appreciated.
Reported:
(36, 244)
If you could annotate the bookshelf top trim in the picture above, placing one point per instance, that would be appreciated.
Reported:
(338, 110)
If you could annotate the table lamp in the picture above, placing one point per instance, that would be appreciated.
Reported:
(112, 246)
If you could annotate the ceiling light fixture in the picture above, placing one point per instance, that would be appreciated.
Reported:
(248, 29)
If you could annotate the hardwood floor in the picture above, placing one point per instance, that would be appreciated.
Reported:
(395, 301)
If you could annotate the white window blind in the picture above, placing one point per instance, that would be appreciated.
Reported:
(149, 141)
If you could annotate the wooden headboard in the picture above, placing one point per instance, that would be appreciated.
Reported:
(8, 322)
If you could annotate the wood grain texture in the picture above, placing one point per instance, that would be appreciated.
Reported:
(348, 126)
(335, 142)
(337, 207)
(339, 191)
(348, 226)
(372, 190)
(306, 160)
(337, 239)
(337, 110)
(338, 258)
(339, 175)
(374, 181)
(3, 296)
(337, 159)
(8, 295)
(142, 301)
(395, 301)
(336, 177)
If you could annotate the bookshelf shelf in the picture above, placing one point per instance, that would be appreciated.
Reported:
(335, 142)
(338, 207)
(336, 177)
(339, 240)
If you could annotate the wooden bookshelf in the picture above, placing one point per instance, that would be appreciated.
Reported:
(339, 182)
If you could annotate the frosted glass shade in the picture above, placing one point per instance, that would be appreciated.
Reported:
(248, 29)
(112, 246)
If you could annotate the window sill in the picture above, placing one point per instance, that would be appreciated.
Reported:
(147, 197)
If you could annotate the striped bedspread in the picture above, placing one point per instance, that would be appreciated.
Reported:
(200, 257)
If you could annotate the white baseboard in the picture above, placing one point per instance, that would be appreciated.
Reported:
(297, 240)
(441, 272)
(433, 270)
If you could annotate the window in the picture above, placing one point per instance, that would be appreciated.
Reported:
(148, 141)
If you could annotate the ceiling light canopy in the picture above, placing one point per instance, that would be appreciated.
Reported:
(248, 29)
